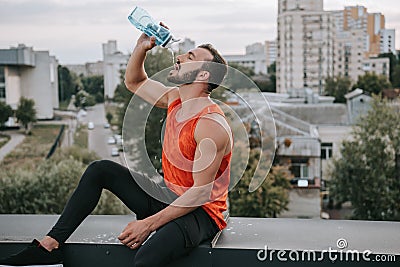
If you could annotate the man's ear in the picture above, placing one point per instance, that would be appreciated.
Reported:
(203, 75)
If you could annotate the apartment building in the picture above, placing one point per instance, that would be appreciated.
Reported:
(87, 69)
(305, 46)
(271, 49)
(255, 58)
(388, 41)
(30, 74)
(314, 44)
(113, 62)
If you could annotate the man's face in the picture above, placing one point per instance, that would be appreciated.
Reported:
(188, 66)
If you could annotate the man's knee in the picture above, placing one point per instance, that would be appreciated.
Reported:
(96, 170)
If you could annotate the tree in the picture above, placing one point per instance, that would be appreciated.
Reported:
(122, 94)
(337, 87)
(367, 173)
(26, 113)
(83, 99)
(109, 117)
(392, 64)
(372, 83)
(157, 60)
(269, 200)
(66, 84)
(396, 77)
(94, 85)
(5, 112)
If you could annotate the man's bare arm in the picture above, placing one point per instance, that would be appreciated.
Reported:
(137, 81)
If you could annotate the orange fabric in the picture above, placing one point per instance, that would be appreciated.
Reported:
(179, 148)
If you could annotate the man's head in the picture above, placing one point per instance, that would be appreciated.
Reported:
(217, 68)
(211, 64)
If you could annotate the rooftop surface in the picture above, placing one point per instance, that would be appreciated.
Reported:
(245, 241)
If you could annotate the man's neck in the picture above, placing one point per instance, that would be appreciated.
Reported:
(194, 98)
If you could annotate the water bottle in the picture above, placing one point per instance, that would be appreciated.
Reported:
(144, 22)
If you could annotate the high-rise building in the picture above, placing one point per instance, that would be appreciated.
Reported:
(113, 62)
(314, 44)
(305, 46)
(388, 41)
(271, 49)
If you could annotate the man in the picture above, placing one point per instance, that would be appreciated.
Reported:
(195, 161)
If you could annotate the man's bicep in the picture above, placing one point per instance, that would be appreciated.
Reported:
(206, 163)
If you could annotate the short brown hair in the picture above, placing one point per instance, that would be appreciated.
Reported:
(218, 68)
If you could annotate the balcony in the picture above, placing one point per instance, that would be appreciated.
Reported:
(245, 242)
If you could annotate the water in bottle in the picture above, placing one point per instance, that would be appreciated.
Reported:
(141, 19)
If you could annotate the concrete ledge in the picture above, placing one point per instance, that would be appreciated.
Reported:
(245, 242)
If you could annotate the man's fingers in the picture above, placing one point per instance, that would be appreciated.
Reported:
(134, 244)
(165, 26)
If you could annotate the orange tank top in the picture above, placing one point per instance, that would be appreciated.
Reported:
(179, 147)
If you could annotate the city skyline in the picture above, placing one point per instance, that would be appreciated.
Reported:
(73, 30)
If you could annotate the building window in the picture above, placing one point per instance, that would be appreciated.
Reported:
(2, 84)
(326, 150)
(299, 168)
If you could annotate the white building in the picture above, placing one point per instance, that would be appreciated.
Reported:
(255, 58)
(88, 69)
(271, 48)
(305, 46)
(388, 41)
(30, 74)
(114, 61)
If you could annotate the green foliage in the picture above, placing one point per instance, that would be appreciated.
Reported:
(235, 78)
(396, 76)
(5, 112)
(392, 64)
(44, 191)
(122, 94)
(26, 112)
(157, 60)
(270, 84)
(109, 117)
(365, 174)
(372, 83)
(66, 84)
(83, 99)
(269, 200)
(94, 85)
(46, 188)
(337, 87)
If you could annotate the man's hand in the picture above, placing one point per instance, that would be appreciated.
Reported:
(134, 234)
(146, 42)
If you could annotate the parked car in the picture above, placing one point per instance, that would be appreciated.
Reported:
(114, 152)
(110, 140)
(90, 125)
(106, 125)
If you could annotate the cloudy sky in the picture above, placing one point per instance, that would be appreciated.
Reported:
(73, 30)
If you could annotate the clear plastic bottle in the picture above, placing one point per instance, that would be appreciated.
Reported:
(142, 20)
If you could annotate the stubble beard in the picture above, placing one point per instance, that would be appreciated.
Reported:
(185, 78)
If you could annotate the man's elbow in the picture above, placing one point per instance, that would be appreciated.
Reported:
(130, 85)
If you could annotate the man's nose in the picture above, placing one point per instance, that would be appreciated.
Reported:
(179, 58)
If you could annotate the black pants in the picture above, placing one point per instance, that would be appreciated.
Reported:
(172, 241)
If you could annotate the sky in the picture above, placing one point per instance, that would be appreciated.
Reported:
(73, 30)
